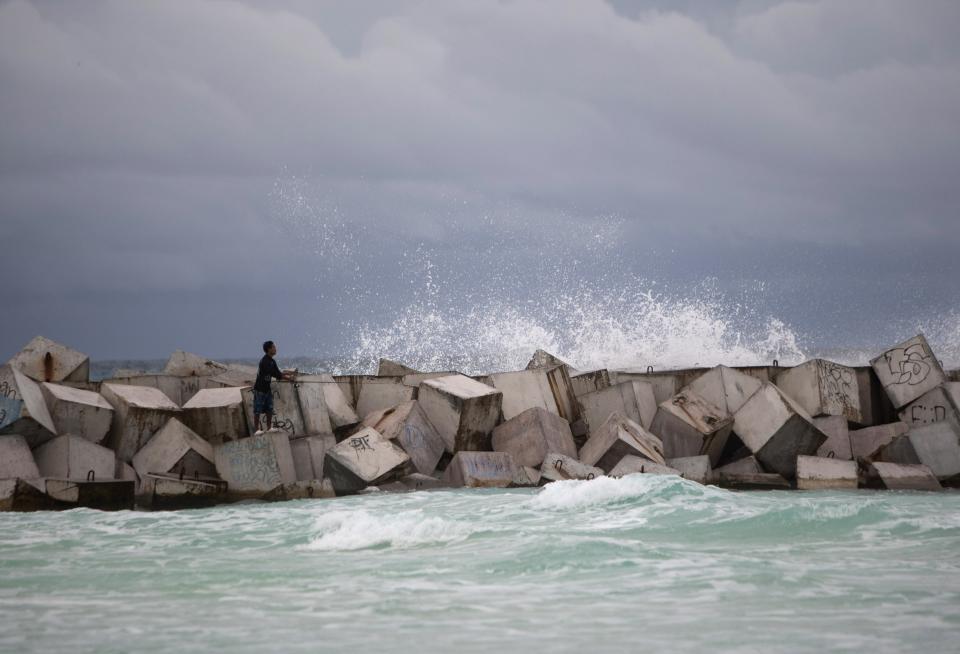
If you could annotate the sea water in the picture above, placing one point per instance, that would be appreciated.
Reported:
(643, 563)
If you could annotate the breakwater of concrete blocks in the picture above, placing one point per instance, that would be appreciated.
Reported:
(182, 438)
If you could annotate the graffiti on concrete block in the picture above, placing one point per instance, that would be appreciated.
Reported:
(253, 463)
(909, 365)
(361, 444)
(8, 391)
(921, 414)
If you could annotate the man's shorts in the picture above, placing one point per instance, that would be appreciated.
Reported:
(262, 402)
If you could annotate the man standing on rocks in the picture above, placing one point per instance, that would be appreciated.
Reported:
(262, 393)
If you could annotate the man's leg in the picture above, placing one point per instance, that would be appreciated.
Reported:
(269, 420)
(256, 422)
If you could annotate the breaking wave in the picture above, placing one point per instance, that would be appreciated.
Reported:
(610, 491)
(359, 529)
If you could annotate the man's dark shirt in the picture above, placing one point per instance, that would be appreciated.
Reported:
(268, 369)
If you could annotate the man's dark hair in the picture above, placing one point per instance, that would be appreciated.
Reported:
(267, 345)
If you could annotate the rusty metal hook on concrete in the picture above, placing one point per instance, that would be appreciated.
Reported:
(91, 475)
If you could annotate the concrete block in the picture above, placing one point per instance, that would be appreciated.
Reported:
(936, 446)
(590, 382)
(109, 495)
(823, 388)
(745, 466)
(463, 411)
(76, 411)
(529, 436)
(44, 360)
(689, 425)
(339, 410)
(528, 477)
(543, 359)
(313, 407)
(481, 470)
(379, 393)
(632, 465)
(216, 415)
(875, 406)
(941, 404)
(665, 384)
(73, 457)
(616, 438)
(175, 448)
(389, 368)
(777, 430)
(313, 489)
(22, 495)
(558, 377)
(725, 387)
(364, 459)
(522, 390)
(178, 389)
(908, 370)
(694, 468)
(818, 473)
(257, 464)
(139, 413)
(408, 425)
(16, 459)
(895, 476)
(308, 454)
(23, 410)
(837, 445)
(866, 443)
(633, 399)
(169, 492)
(185, 364)
(415, 481)
(557, 467)
(287, 416)
(752, 481)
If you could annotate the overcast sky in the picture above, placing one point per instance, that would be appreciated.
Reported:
(205, 175)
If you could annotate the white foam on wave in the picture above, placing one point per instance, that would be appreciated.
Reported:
(359, 529)
(593, 328)
(574, 494)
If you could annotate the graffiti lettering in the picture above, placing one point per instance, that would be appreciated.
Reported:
(909, 365)
(922, 415)
(360, 444)
(8, 391)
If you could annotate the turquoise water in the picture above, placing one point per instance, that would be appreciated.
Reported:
(641, 563)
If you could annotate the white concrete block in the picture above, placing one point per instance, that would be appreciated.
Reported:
(23, 410)
(390, 368)
(895, 476)
(867, 442)
(777, 430)
(79, 412)
(175, 448)
(139, 413)
(936, 446)
(633, 465)
(557, 466)
(364, 459)
(74, 457)
(313, 407)
(941, 404)
(216, 415)
(590, 382)
(408, 425)
(823, 388)
(618, 437)
(633, 399)
(689, 425)
(463, 411)
(745, 466)
(309, 453)
(44, 360)
(186, 364)
(522, 390)
(694, 468)
(287, 416)
(908, 370)
(339, 411)
(481, 470)
(818, 473)
(725, 387)
(16, 459)
(837, 445)
(379, 393)
(312, 489)
(252, 466)
(530, 435)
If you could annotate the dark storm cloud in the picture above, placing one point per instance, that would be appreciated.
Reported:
(141, 143)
